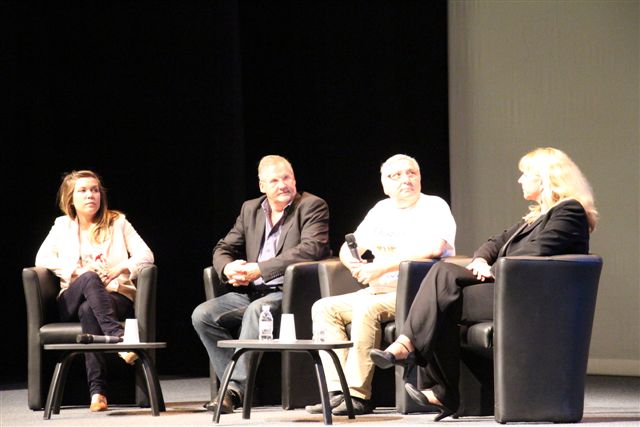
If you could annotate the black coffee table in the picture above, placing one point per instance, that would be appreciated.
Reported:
(54, 398)
(304, 346)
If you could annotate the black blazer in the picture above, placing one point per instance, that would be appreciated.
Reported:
(564, 229)
(304, 236)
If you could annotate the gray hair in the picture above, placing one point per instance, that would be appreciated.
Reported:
(272, 159)
(397, 157)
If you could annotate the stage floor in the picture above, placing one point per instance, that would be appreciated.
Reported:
(609, 401)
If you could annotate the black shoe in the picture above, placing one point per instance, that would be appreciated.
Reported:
(420, 398)
(360, 407)
(231, 401)
(335, 399)
(385, 359)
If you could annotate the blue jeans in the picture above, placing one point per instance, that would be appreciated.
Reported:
(98, 310)
(221, 317)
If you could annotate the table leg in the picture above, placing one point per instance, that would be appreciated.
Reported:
(66, 365)
(56, 388)
(52, 391)
(254, 362)
(322, 382)
(225, 383)
(153, 386)
(343, 383)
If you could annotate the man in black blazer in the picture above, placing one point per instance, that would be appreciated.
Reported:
(272, 232)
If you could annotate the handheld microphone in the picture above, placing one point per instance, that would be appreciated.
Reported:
(353, 246)
(89, 338)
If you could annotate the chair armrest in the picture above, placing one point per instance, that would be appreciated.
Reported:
(477, 300)
(213, 287)
(528, 285)
(410, 277)
(41, 287)
(461, 260)
(300, 290)
(336, 279)
(145, 303)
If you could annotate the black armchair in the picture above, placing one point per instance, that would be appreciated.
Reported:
(300, 291)
(41, 287)
(388, 386)
(525, 339)
(544, 309)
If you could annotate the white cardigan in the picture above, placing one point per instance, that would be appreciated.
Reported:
(60, 253)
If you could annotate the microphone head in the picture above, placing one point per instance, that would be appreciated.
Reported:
(351, 240)
(84, 338)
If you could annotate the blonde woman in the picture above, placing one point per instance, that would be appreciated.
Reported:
(97, 254)
(558, 222)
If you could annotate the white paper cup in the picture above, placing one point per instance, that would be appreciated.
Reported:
(287, 328)
(131, 333)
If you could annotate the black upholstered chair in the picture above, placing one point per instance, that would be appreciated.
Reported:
(388, 386)
(543, 316)
(300, 291)
(41, 287)
(525, 339)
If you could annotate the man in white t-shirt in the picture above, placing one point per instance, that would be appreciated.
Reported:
(408, 225)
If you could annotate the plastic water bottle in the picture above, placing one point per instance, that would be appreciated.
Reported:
(319, 331)
(265, 325)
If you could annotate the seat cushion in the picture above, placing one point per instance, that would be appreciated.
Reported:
(478, 338)
(476, 329)
(388, 333)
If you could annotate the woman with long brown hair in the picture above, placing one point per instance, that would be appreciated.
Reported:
(97, 254)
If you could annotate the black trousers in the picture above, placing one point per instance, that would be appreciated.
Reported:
(98, 311)
(432, 326)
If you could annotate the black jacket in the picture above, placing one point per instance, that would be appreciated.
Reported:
(564, 229)
(304, 236)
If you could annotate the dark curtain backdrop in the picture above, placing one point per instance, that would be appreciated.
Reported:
(174, 103)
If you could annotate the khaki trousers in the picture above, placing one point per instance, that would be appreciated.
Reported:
(365, 311)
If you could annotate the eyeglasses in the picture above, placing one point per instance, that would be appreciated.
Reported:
(276, 181)
(411, 174)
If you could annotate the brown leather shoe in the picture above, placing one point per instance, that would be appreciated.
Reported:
(98, 403)
(230, 402)
(129, 357)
